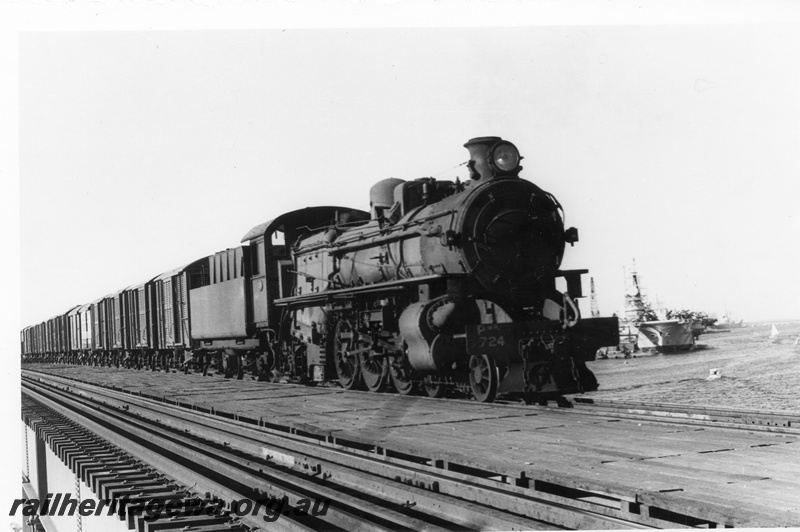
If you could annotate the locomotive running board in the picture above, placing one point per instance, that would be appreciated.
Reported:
(318, 298)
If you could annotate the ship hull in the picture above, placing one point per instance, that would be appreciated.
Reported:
(665, 336)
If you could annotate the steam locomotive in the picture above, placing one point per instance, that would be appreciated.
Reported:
(442, 286)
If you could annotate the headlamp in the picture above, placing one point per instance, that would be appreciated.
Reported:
(505, 156)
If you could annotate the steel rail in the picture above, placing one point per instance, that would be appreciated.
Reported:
(142, 450)
(348, 509)
(285, 448)
(241, 473)
(596, 499)
(426, 489)
(575, 492)
(752, 420)
(421, 475)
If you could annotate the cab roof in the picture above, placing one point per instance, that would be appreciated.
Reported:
(311, 217)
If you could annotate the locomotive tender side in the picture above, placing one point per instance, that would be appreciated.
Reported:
(442, 286)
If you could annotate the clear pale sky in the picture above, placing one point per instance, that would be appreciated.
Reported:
(139, 136)
(676, 145)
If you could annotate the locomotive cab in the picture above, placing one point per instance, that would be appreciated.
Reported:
(283, 338)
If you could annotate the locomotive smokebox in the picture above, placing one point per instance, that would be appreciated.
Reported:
(492, 157)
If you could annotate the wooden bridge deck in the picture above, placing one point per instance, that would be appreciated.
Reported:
(751, 477)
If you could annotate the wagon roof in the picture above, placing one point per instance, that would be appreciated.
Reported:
(62, 314)
(99, 299)
(170, 273)
(139, 285)
(176, 271)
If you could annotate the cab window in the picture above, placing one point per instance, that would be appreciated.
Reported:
(257, 259)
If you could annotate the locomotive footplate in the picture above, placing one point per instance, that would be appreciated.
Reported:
(542, 358)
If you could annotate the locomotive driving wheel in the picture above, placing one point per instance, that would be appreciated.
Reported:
(347, 344)
(374, 370)
(400, 372)
(483, 378)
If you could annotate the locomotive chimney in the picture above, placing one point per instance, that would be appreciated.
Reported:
(492, 157)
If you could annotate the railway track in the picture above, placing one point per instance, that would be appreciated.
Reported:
(755, 420)
(237, 461)
(430, 489)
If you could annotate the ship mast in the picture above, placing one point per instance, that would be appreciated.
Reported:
(635, 306)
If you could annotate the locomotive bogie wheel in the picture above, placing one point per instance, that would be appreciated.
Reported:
(433, 387)
(258, 366)
(374, 371)
(264, 367)
(348, 367)
(484, 378)
(232, 366)
(203, 361)
(226, 366)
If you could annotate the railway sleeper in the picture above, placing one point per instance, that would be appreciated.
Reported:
(594, 505)
(613, 507)
(350, 514)
(478, 514)
(481, 515)
(127, 484)
(350, 510)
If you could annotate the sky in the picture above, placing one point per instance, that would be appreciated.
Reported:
(140, 136)
(672, 145)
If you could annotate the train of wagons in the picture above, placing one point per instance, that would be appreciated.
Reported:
(444, 286)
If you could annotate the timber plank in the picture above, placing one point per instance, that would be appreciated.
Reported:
(721, 509)
(700, 481)
(660, 463)
(746, 464)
